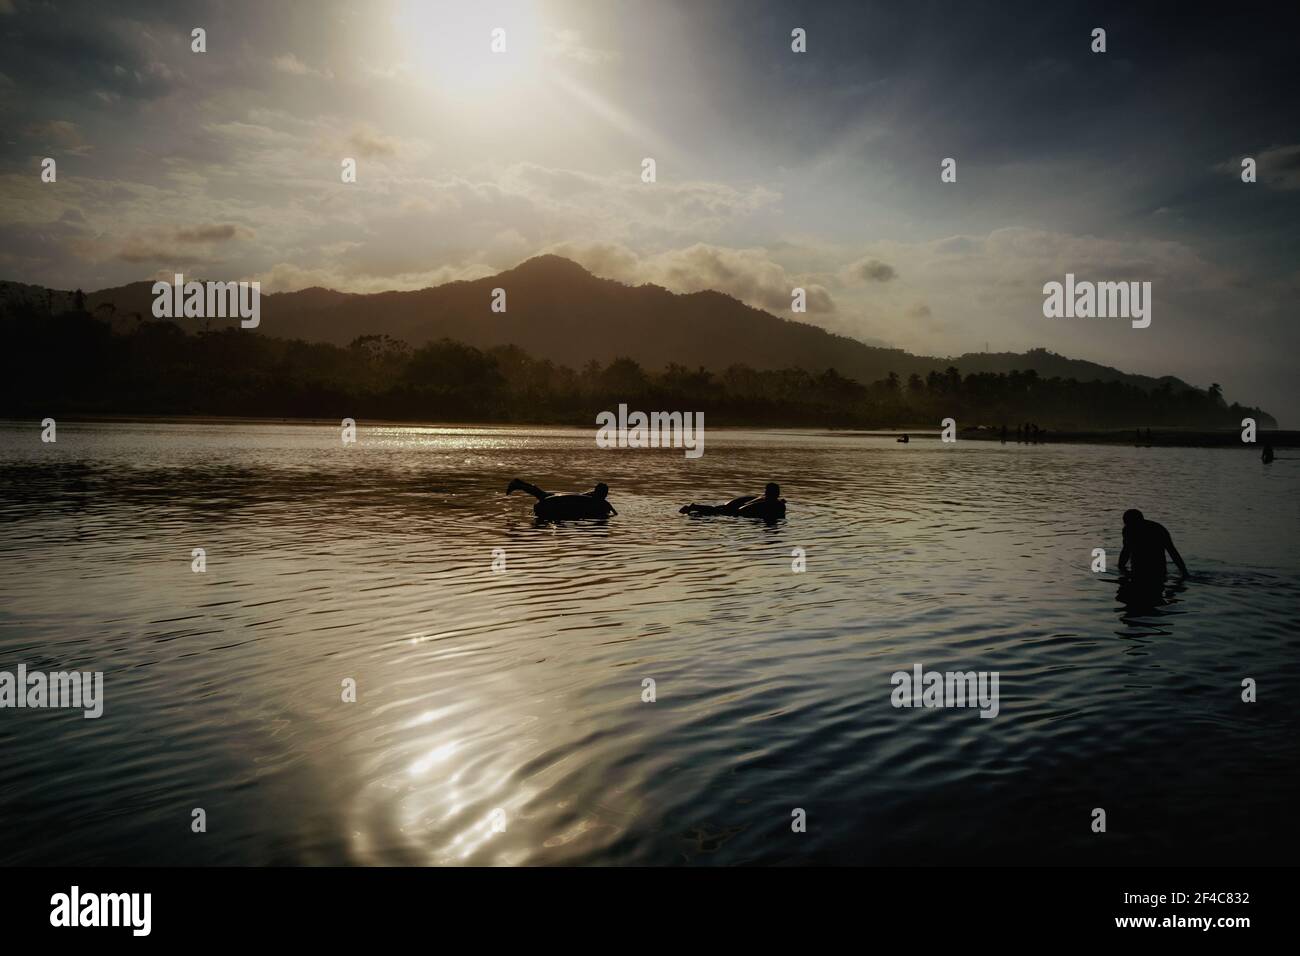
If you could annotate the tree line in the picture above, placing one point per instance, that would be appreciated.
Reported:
(77, 363)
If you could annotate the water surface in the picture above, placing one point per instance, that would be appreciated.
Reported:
(521, 692)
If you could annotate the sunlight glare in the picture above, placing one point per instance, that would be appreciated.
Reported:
(448, 46)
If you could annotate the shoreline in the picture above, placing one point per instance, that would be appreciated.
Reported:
(1164, 438)
(1167, 438)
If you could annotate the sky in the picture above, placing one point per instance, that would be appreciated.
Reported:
(774, 169)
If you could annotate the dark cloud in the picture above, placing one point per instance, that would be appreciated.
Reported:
(163, 248)
(1279, 166)
(873, 270)
(213, 233)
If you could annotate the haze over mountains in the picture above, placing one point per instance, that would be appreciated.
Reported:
(558, 310)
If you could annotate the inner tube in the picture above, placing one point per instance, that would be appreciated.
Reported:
(569, 507)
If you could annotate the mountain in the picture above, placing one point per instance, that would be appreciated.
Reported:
(558, 310)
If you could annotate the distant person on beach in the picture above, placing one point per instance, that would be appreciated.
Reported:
(1145, 543)
(1267, 455)
(1004, 434)
(769, 507)
(558, 507)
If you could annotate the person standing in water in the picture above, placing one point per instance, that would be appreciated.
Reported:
(1145, 544)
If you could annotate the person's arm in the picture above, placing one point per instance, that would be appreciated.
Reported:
(1173, 553)
(1124, 553)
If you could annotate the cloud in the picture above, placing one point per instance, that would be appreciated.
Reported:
(872, 270)
(217, 232)
(163, 246)
(609, 260)
(60, 133)
(369, 144)
(920, 319)
(621, 206)
(289, 63)
(1277, 166)
(749, 275)
(568, 45)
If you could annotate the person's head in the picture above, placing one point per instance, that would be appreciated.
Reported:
(773, 490)
(600, 491)
(1133, 518)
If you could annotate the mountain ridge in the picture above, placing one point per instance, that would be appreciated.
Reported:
(558, 310)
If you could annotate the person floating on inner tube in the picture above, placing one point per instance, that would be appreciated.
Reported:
(560, 507)
(769, 507)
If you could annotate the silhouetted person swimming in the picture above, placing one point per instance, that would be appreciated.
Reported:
(562, 507)
(1145, 543)
(769, 507)
(904, 439)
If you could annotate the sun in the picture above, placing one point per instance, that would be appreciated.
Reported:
(471, 50)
